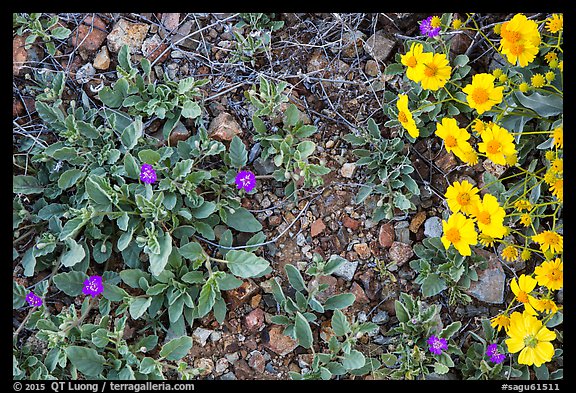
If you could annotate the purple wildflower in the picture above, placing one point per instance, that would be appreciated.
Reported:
(33, 300)
(492, 353)
(426, 28)
(93, 286)
(437, 345)
(246, 180)
(147, 174)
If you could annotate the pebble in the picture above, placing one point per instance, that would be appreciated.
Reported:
(400, 253)
(221, 366)
(433, 227)
(329, 144)
(102, 59)
(229, 376)
(402, 232)
(381, 318)
(347, 170)
(201, 335)
(346, 270)
(232, 357)
(300, 239)
(127, 33)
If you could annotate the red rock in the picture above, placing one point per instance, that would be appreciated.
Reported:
(363, 250)
(317, 227)
(90, 34)
(170, 20)
(155, 48)
(446, 162)
(224, 127)
(242, 294)
(400, 253)
(257, 361)
(372, 286)
(274, 220)
(254, 320)
(351, 223)
(386, 236)
(17, 107)
(19, 54)
(361, 298)
(280, 343)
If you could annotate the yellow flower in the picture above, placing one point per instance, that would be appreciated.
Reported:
(502, 78)
(561, 65)
(485, 240)
(497, 72)
(525, 219)
(551, 56)
(524, 87)
(553, 64)
(462, 197)
(511, 160)
(557, 166)
(529, 337)
(497, 143)
(550, 274)
(490, 217)
(558, 189)
(538, 80)
(523, 204)
(550, 155)
(520, 40)
(500, 321)
(510, 253)
(456, 23)
(497, 28)
(478, 126)
(550, 177)
(435, 21)
(555, 23)
(459, 231)
(433, 70)
(547, 305)
(468, 155)
(550, 76)
(453, 136)
(411, 59)
(558, 135)
(549, 240)
(525, 254)
(522, 289)
(405, 116)
(481, 93)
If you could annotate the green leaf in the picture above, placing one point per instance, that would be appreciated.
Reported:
(228, 282)
(306, 148)
(245, 264)
(461, 60)
(544, 105)
(432, 285)
(340, 323)
(449, 330)
(238, 153)
(192, 251)
(148, 156)
(334, 262)
(71, 283)
(74, 254)
(60, 33)
(207, 298)
(71, 228)
(440, 368)
(139, 306)
(355, 359)
(22, 184)
(193, 277)
(242, 220)
(204, 211)
(401, 202)
(402, 312)
(69, 178)
(295, 277)
(110, 97)
(303, 331)
(291, 116)
(95, 191)
(339, 301)
(159, 261)
(394, 69)
(177, 348)
(219, 309)
(86, 360)
(363, 193)
(29, 262)
(147, 365)
(191, 109)
(113, 292)
(131, 134)
(124, 58)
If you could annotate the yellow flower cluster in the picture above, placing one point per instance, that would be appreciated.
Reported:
(520, 40)
(469, 209)
(405, 116)
(432, 70)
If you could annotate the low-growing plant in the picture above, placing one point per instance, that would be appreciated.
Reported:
(387, 168)
(39, 26)
(268, 97)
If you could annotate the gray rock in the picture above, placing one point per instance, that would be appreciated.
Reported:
(379, 46)
(381, 318)
(221, 366)
(229, 376)
(491, 281)
(383, 340)
(264, 167)
(560, 296)
(201, 335)
(300, 239)
(85, 73)
(433, 227)
(362, 317)
(232, 357)
(215, 336)
(346, 270)
(270, 368)
(402, 232)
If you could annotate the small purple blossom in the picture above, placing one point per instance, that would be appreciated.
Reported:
(427, 29)
(437, 345)
(492, 353)
(245, 180)
(33, 300)
(93, 286)
(147, 174)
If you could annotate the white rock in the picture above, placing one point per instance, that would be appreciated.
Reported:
(348, 169)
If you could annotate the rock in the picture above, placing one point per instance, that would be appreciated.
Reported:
(372, 286)
(178, 133)
(402, 232)
(379, 46)
(300, 239)
(346, 270)
(221, 366)
(352, 43)
(330, 144)
(183, 31)
(361, 298)
(331, 281)
(491, 281)
(560, 296)
(494, 169)
(264, 167)
(232, 357)
(274, 221)
(446, 161)
(386, 235)
(154, 48)
(19, 54)
(229, 376)
(85, 73)
(347, 170)
(255, 301)
(170, 20)
(417, 221)
(381, 318)
(280, 343)
(400, 253)
(127, 33)
(270, 368)
(215, 336)
(257, 361)
(224, 127)
(90, 34)
(205, 364)
(351, 223)
(433, 227)
(317, 227)
(242, 294)
(383, 340)
(201, 335)
(254, 321)
(102, 59)
(371, 68)
(363, 250)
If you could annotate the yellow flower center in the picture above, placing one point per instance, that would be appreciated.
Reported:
(463, 198)
(530, 341)
(402, 117)
(517, 49)
(453, 235)
(411, 62)
(522, 297)
(512, 36)
(484, 218)
(450, 141)
(480, 95)
(554, 274)
(493, 146)
(430, 70)
(551, 238)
